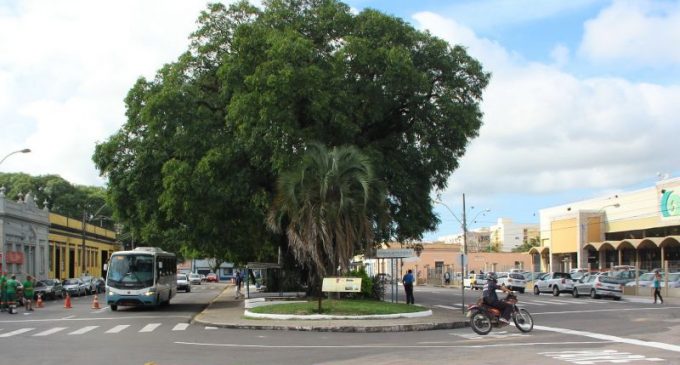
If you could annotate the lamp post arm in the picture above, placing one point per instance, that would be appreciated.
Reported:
(25, 150)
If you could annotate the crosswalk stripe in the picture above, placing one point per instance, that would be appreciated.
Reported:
(548, 302)
(447, 307)
(569, 301)
(150, 327)
(531, 303)
(17, 332)
(180, 327)
(50, 331)
(118, 328)
(85, 329)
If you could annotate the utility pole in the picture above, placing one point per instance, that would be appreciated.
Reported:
(464, 257)
(82, 249)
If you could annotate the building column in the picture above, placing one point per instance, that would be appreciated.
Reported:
(602, 258)
(620, 254)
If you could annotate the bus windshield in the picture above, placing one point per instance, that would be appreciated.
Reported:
(130, 272)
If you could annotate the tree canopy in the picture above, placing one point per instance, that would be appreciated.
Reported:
(204, 142)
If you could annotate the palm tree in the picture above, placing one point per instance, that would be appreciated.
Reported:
(322, 207)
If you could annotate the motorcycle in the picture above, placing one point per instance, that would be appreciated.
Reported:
(484, 317)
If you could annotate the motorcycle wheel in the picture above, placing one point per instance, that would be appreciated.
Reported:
(523, 320)
(480, 323)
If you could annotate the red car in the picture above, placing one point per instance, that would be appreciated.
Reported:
(211, 278)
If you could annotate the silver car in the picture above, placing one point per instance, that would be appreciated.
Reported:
(597, 286)
(644, 281)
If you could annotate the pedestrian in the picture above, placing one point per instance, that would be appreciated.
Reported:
(657, 286)
(12, 285)
(447, 278)
(28, 293)
(239, 282)
(3, 291)
(408, 286)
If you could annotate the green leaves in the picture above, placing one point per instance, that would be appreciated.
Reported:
(206, 140)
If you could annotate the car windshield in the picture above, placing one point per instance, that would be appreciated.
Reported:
(517, 276)
(647, 277)
(71, 282)
(607, 280)
(674, 276)
(181, 277)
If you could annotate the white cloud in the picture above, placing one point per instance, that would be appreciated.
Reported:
(68, 66)
(644, 33)
(560, 55)
(548, 131)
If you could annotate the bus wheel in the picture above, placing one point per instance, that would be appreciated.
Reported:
(114, 307)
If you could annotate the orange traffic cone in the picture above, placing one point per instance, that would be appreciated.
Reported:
(67, 301)
(95, 302)
(39, 303)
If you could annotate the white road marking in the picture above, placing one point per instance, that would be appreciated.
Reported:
(118, 328)
(17, 332)
(180, 326)
(210, 328)
(547, 302)
(591, 357)
(569, 301)
(454, 307)
(608, 310)
(240, 345)
(150, 327)
(85, 329)
(600, 336)
(527, 302)
(50, 331)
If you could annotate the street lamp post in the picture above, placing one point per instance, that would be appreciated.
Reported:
(25, 150)
(85, 222)
(463, 259)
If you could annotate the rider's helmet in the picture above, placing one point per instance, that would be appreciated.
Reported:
(491, 276)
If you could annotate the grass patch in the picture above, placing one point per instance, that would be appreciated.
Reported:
(345, 307)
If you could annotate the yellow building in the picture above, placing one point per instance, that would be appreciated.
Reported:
(632, 228)
(74, 250)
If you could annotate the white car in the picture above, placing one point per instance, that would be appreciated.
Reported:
(644, 281)
(597, 286)
(183, 283)
(195, 279)
(512, 281)
(555, 283)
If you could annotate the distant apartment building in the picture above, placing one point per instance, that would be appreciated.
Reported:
(506, 235)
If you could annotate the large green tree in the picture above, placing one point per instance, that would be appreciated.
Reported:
(197, 160)
(323, 206)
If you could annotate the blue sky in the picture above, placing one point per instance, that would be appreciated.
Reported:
(583, 99)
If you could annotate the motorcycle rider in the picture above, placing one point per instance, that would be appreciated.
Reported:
(491, 299)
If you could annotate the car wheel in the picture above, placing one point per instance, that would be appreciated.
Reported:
(114, 307)
(536, 291)
(574, 293)
(617, 298)
(521, 290)
(556, 291)
(188, 290)
(593, 294)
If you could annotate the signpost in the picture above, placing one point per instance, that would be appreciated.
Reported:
(392, 255)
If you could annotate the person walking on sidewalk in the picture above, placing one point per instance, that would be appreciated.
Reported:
(12, 285)
(657, 286)
(408, 287)
(239, 282)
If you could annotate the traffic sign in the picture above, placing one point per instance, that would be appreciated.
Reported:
(394, 253)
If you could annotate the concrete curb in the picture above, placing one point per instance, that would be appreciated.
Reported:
(311, 317)
(342, 328)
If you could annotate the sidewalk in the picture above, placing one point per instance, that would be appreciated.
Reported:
(226, 312)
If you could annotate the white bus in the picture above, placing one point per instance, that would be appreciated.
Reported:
(145, 276)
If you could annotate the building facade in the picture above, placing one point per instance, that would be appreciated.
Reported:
(637, 228)
(24, 231)
(506, 235)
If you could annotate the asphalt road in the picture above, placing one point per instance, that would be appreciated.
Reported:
(568, 331)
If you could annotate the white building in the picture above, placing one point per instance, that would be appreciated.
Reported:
(506, 235)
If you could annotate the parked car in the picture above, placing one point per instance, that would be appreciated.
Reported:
(194, 279)
(183, 283)
(625, 275)
(533, 276)
(597, 286)
(555, 283)
(645, 280)
(74, 287)
(513, 281)
(211, 278)
(49, 288)
(480, 280)
(99, 284)
(673, 280)
(89, 284)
